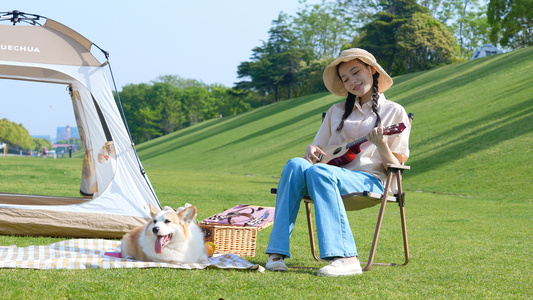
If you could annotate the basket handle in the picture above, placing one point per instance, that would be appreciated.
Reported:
(250, 216)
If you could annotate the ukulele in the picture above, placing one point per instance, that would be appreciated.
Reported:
(343, 154)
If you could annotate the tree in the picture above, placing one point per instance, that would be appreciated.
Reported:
(310, 76)
(466, 18)
(15, 134)
(230, 102)
(444, 10)
(475, 34)
(283, 54)
(275, 64)
(186, 102)
(198, 105)
(140, 111)
(39, 144)
(170, 106)
(379, 36)
(6, 130)
(424, 43)
(323, 28)
(362, 11)
(180, 82)
(258, 72)
(170, 103)
(151, 118)
(513, 20)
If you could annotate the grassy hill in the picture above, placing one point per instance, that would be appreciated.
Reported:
(472, 132)
(468, 197)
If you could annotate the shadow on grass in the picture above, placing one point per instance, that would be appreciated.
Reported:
(315, 113)
(505, 125)
(459, 75)
(186, 137)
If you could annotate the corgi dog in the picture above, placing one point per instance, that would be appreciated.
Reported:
(170, 236)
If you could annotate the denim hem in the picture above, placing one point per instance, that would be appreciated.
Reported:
(281, 252)
(330, 256)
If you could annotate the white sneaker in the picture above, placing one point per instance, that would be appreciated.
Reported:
(341, 266)
(276, 262)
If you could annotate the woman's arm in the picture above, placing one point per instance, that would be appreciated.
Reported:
(377, 138)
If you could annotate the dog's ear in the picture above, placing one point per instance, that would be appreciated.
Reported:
(168, 208)
(187, 215)
(153, 210)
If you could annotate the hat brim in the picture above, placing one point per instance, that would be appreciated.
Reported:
(335, 85)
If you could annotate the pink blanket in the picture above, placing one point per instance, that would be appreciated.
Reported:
(243, 215)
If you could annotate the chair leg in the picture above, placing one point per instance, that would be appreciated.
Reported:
(376, 236)
(310, 229)
(379, 222)
(404, 233)
(402, 216)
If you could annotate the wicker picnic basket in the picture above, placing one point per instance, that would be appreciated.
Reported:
(232, 239)
(236, 239)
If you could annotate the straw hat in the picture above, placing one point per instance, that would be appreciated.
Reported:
(334, 83)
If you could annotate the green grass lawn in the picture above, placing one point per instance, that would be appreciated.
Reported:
(469, 196)
(461, 247)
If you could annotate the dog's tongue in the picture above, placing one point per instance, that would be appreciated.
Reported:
(159, 242)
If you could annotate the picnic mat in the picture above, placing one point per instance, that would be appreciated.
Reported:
(100, 254)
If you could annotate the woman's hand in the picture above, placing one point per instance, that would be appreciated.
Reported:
(376, 137)
(312, 152)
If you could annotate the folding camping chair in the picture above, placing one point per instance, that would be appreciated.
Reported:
(362, 200)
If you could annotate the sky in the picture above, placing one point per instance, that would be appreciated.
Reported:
(204, 40)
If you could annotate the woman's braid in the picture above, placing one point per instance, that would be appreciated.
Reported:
(348, 108)
(375, 97)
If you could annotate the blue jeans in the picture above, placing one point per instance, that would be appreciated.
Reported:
(324, 184)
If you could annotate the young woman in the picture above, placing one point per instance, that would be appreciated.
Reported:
(357, 76)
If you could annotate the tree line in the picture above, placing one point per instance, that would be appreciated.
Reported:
(170, 103)
(405, 36)
(16, 135)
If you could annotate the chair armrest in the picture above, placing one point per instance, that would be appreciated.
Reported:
(395, 167)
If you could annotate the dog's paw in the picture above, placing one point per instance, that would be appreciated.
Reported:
(203, 259)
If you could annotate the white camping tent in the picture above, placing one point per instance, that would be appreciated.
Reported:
(117, 193)
(488, 49)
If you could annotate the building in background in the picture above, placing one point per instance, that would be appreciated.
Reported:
(65, 133)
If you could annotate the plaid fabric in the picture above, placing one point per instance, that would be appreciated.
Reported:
(99, 254)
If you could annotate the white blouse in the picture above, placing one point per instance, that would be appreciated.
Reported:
(358, 124)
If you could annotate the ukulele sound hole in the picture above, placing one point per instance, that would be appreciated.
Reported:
(337, 150)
